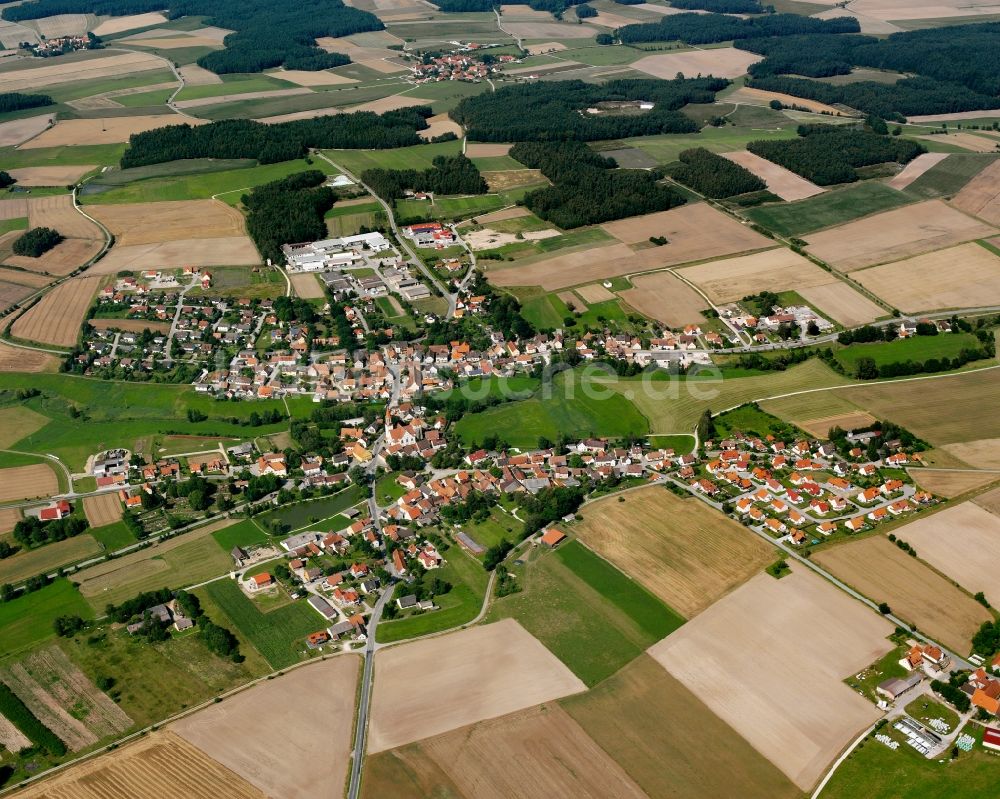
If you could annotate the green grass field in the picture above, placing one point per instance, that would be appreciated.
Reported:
(113, 536)
(234, 84)
(387, 490)
(103, 154)
(244, 281)
(827, 209)
(667, 148)
(27, 620)
(516, 387)
(243, 534)
(48, 558)
(681, 444)
(916, 348)
(170, 169)
(419, 156)
(279, 635)
(950, 175)
(145, 99)
(7, 225)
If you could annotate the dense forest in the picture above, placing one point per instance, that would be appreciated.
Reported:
(266, 34)
(37, 241)
(706, 28)
(449, 175)
(244, 138)
(553, 110)
(829, 154)
(714, 176)
(722, 6)
(288, 211)
(587, 188)
(15, 101)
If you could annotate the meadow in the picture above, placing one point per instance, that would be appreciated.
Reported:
(242, 534)
(27, 620)
(916, 348)
(419, 156)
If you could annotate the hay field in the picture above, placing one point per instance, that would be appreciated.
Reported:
(843, 303)
(915, 169)
(17, 422)
(58, 212)
(468, 676)
(308, 757)
(16, 359)
(949, 483)
(820, 428)
(981, 195)
(962, 541)
(20, 130)
(56, 318)
(701, 758)
(665, 297)
(783, 182)
(157, 765)
(50, 175)
(28, 482)
(681, 550)
(554, 757)
(798, 714)
(49, 558)
(108, 66)
(307, 286)
(61, 260)
(983, 453)
(108, 130)
(225, 251)
(103, 509)
(884, 573)
(8, 518)
(148, 223)
(966, 276)
(775, 270)
(895, 234)
(722, 62)
(128, 23)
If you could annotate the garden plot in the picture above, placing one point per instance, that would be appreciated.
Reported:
(774, 270)
(895, 234)
(722, 62)
(468, 676)
(107, 130)
(109, 66)
(149, 223)
(783, 182)
(981, 195)
(20, 130)
(799, 715)
(56, 318)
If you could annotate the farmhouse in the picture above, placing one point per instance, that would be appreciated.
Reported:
(259, 582)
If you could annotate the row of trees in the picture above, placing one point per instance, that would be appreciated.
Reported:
(287, 211)
(554, 110)
(829, 154)
(37, 241)
(15, 101)
(714, 176)
(587, 189)
(706, 28)
(268, 144)
(449, 175)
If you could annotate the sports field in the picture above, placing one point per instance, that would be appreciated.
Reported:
(884, 573)
(686, 553)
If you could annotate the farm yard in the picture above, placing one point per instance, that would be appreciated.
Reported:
(56, 318)
(811, 628)
(684, 552)
(27, 482)
(103, 509)
(230, 734)
(884, 573)
(476, 674)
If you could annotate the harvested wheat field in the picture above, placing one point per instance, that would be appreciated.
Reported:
(966, 276)
(228, 251)
(884, 573)
(548, 30)
(820, 428)
(511, 212)
(665, 297)
(915, 169)
(108, 66)
(61, 260)
(20, 130)
(488, 150)
(307, 286)
(983, 453)
(722, 62)
(990, 500)
(17, 359)
(681, 550)
(57, 212)
(27, 482)
(981, 195)
(895, 234)
(128, 23)
(103, 509)
(157, 765)
(198, 76)
(8, 518)
(783, 182)
(129, 325)
(50, 175)
(595, 292)
(108, 130)
(56, 318)
(379, 106)
(727, 657)
(22, 278)
(11, 738)
(230, 732)
(843, 303)
(13, 209)
(177, 42)
(762, 97)
(950, 482)
(554, 757)
(61, 25)
(967, 141)
(772, 270)
(468, 676)
(148, 223)
(701, 758)
(12, 293)
(305, 79)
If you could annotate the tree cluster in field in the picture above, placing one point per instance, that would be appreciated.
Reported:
(450, 174)
(553, 110)
(15, 101)
(36, 242)
(269, 144)
(708, 28)
(723, 6)
(16, 712)
(714, 176)
(583, 11)
(547, 506)
(6, 180)
(33, 532)
(986, 641)
(587, 189)
(830, 154)
(288, 211)
(266, 34)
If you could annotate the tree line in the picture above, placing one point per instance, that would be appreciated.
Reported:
(723, 6)
(287, 211)
(708, 28)
(16, 101)
(587, 188)
(714, 176)
(830, 154)
(269, 144)
(555, 110)
(449, 175)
